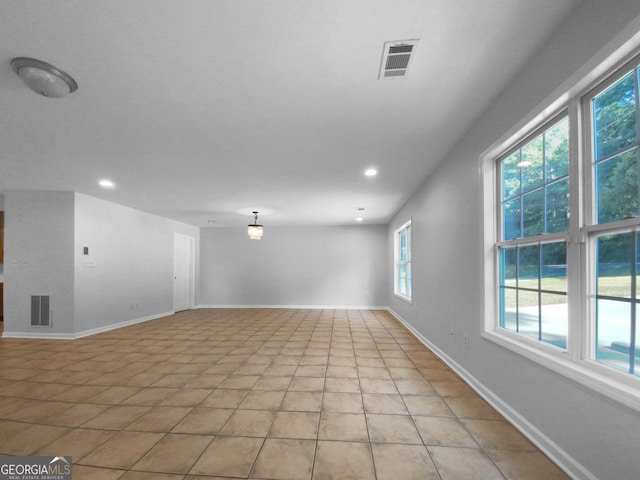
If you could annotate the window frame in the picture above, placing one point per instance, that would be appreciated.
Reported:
(577, 362)
(406, 226)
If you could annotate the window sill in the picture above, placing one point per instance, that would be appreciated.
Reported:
(605, 381)
(404, 298)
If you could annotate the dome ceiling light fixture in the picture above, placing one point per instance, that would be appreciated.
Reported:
(254, 230)
(43, 78)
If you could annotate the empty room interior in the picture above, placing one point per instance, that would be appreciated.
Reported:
(321, 239)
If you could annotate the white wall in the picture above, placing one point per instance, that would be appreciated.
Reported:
(38, 260)
(128, 274)
(312, 266)
(590, 434)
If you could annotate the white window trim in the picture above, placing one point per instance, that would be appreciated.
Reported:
(575, 362)
(396, 250)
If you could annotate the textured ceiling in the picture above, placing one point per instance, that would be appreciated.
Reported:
(206, 110)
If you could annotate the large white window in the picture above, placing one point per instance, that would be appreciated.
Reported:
(402, 268)
(563, 264)
(613, 117)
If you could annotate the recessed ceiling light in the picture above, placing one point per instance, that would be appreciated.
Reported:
(211, 221)
(105, 183)
(370, 172)
(359, 219)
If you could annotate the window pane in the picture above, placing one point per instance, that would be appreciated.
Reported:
(558, 206)
(528, 314)
(408, 288)
(511, 219)
(617, 187)
(532, 176)
(614, 117)
(403, 245)
(556, 150)
(508, 265)
(613, 327)
(554, 267)
(555, 319)
(511, 176)
(528, 259)
(533, 218)
(402, 278)
(613, 265)
(508, 310)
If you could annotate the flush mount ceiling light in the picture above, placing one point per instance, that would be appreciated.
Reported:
(371, 172)
(254, 230)
(43, 78)
(106, 183)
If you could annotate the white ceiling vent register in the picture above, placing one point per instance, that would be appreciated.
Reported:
(396, 58)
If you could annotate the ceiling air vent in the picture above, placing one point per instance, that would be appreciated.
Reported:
(396, 58)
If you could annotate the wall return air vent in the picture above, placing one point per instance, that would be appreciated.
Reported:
(40, 311)
(396, 58)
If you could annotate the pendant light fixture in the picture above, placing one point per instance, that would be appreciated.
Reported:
(43, 78)
(254, 230)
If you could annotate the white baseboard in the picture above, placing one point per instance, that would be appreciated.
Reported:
(84, 333)
(39, 335)
(565, 461)
(127, 323)
(301, 307)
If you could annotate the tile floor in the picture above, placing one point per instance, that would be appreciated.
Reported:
(255, 393)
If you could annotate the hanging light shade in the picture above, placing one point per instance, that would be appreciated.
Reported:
(43, 78)
(254, 230)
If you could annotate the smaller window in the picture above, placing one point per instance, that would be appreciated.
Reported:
(402, 269)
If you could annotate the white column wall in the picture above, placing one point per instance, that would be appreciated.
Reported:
(38, 260)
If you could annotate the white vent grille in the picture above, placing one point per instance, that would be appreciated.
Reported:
(396, 58)
(40, 311)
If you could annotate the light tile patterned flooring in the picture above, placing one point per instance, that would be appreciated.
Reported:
(255, 393)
